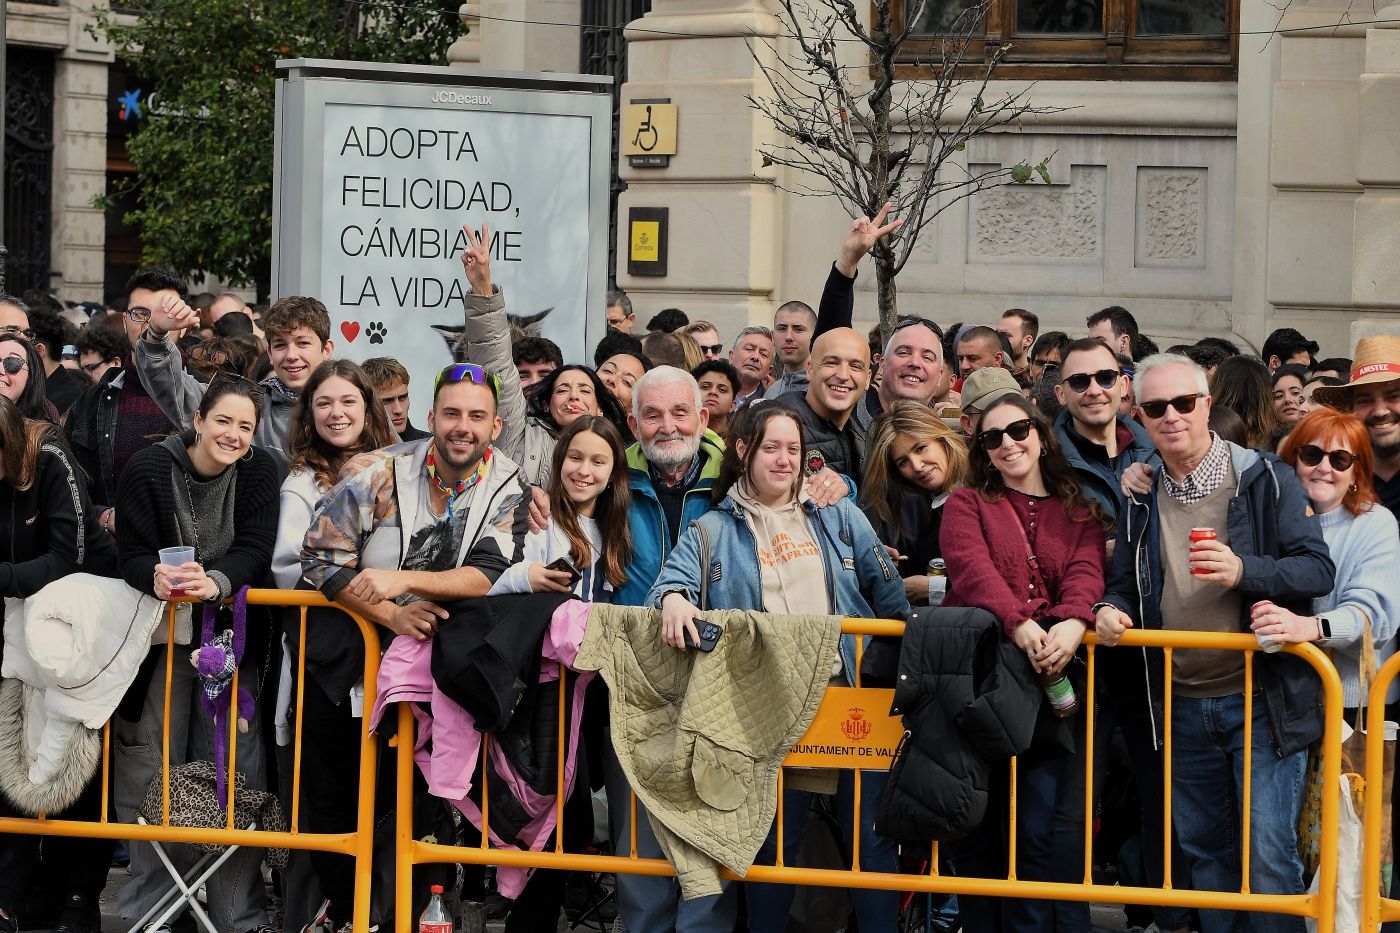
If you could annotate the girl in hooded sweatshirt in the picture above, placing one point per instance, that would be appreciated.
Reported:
(212, 490)
(588, 528)
(765, 520)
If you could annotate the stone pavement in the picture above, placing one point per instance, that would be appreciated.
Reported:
(1105, 918)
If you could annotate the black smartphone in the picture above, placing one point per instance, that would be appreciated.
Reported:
(709, 636)
(564, 565)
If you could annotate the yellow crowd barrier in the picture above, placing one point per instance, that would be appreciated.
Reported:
(1319, 907)
(356, 845)
(410, 852)
(1376, 909)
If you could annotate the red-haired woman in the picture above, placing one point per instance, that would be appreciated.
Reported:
(1331, 452)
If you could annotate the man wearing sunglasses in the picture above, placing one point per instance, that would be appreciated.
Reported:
(1100, 443)
(1267, 547)
(1098, 440)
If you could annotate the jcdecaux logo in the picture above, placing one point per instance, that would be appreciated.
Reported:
(456, 97)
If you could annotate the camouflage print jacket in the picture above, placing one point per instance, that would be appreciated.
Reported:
(360, 523)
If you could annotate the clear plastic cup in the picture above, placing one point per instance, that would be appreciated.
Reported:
(174, 557)
(1269, 644)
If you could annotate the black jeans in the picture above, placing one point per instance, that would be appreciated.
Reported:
(537, 907)
(330, 785)
(72, 865)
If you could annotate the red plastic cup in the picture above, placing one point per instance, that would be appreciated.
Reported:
(1198, 535)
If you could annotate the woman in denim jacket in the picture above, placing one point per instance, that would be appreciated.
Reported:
(764, 520)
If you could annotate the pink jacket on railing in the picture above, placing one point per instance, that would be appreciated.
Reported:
(453, 764)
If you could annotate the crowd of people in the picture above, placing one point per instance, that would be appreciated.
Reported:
(1038, 485)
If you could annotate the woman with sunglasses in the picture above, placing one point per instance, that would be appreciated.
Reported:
(211, 490)
(1331, 453)
(915, 461)
(22, 377)
(1023, 501)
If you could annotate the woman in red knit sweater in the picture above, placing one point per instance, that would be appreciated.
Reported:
(1023, 500)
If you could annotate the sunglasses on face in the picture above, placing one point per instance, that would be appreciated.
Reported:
(468, 372)
(911, 321)
(13, 364)
(992, 438)
(715, 349)
(1341, 460)
(1184, 404)
(1079, 382)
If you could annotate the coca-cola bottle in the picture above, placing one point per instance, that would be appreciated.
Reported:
(435, 918)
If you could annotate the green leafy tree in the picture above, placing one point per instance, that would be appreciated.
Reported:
(204, 152)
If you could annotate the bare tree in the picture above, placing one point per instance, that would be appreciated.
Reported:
(869, 138)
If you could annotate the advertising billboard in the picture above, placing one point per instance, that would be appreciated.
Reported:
(378, 168)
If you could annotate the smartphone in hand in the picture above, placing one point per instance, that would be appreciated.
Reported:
(564, 565)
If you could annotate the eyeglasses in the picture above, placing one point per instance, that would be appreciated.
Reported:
(14, 330)
(1184, 404)
(13, 364)
(1043, 362)
(138, 314)
(1079, 382)
(468, 372)
(92, 368)
(1341, 460)
(992, 438)
(714, 348)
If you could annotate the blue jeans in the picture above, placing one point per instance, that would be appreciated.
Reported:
(650, 904)
(1207, 796)
(878, 911)
(983, 854)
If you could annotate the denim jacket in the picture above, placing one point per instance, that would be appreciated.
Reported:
(861, 580)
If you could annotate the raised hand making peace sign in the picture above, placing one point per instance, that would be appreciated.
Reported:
(476, 259)
(865, 232)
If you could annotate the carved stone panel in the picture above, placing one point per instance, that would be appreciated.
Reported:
(1038, 223)
(1170, 220)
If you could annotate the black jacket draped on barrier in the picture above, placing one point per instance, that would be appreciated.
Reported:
(970, 701)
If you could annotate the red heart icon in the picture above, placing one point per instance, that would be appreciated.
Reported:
(351, 330)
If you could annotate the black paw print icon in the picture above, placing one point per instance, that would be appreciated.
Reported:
(376, 331)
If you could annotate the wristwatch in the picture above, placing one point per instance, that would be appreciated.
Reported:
(1324, 628)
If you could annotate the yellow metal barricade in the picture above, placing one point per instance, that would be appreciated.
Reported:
(357, 844)
(410, 852)
(1375, 908)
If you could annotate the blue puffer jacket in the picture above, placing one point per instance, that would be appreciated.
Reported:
(1285, 560)
(861, 580)
(650, 542)
(1098, 478)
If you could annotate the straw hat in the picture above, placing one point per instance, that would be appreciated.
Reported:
(1377, 360)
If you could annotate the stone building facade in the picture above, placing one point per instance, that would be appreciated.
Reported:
(1234, 200)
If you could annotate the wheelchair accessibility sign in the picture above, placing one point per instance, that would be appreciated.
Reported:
(649, 133)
